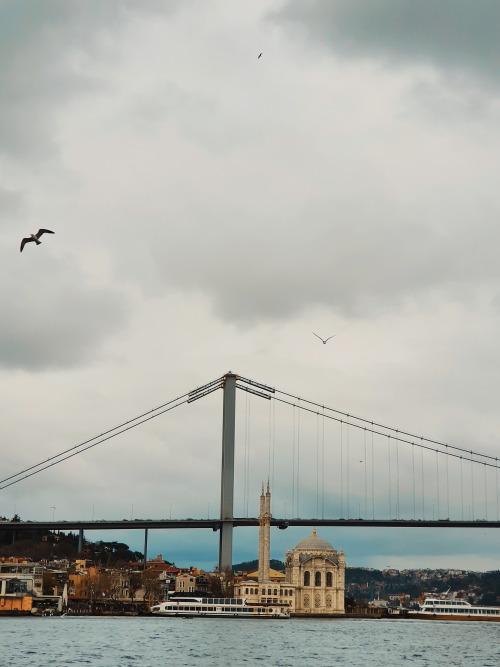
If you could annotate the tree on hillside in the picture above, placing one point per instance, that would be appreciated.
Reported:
(221, 584)
(110, 553)
(153, 589)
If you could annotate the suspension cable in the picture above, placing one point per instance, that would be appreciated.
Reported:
(400, 439)
(69, 456)
(85, 442)
(377, 425)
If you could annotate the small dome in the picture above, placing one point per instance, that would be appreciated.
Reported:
(314, 543)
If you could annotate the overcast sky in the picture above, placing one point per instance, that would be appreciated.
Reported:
(211, 210)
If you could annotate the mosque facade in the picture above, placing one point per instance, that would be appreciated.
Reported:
(314, 579)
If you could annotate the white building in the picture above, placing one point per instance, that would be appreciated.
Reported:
(314, 581)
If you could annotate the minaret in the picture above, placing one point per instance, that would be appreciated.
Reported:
(264, 533)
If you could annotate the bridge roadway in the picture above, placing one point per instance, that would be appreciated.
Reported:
(215, 524)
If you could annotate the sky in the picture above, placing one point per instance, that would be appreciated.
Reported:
(211, 210)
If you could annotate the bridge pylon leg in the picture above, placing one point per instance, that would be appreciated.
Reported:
(227, 474)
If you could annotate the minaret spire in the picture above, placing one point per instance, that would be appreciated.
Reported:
(264, 533)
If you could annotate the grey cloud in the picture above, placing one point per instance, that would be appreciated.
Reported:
(42, 49)
(10, 201)
(44, 326)
(354, 268)
(456, 35)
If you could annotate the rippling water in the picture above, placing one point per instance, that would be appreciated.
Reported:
(178, 642)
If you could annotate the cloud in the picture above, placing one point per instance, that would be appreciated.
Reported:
(52, 317)
(352, 268)
(452, 35)
(46, 49)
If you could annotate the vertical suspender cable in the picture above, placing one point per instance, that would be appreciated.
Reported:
(323, 470)
(447, 487)
(462, 484)
(373, 480)
(249, 450)
(366, 485)
(423, 482)
(390, 474)
(472, 488)
(413, 473)
(485, 494)
(397, 479)
(274, 437)
(298, 460)
(496, 482)
(269, 428)
(293, 464)
(437, 482)
(347, 457)
(341, 473)
(317, 464)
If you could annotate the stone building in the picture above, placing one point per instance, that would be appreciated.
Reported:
(314, 580)
(317, 572)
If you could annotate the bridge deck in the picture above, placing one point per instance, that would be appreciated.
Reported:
(215, 524)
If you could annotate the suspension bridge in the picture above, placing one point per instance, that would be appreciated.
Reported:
(345, 470)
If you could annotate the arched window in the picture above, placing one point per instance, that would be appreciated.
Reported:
(329, 579)
(307, 578)
(286, 591)
(246, 591)
(275, 591)
(269, 591)
(317, 578)
(263, 591)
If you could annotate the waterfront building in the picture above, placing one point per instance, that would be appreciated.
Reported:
(185, 583)
(314, 579)
(21, 589)
(18, 579)
(317, 571)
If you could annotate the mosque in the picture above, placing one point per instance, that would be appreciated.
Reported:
(314, 579)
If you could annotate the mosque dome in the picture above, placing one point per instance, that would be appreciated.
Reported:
(314, 543)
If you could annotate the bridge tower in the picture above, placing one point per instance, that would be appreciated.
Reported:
(227, 473)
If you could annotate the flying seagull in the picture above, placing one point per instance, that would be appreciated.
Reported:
(321, 339)
(260, 54)
(35, 237)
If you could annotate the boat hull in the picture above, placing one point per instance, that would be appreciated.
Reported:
(188, 607)
(215, 615)
(453, 617)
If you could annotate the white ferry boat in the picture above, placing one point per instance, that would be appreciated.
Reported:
(193, 607)
(454, 610)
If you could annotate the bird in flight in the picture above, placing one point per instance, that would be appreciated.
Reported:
(35, 237)
(326, 340)
(260, 54)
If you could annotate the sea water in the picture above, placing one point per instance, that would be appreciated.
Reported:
(149, 641)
